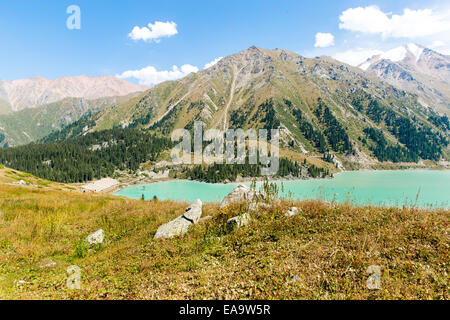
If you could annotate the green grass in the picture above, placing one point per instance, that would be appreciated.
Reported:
(322, 253)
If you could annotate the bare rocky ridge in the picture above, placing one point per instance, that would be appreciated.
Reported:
(31, 93)
(417, 69)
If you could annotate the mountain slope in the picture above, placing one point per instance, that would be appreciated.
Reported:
(324, 108)
(417, 69)
(29, 125)
(31, 93)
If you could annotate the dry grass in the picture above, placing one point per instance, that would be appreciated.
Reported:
(11, 176)
(322, 253)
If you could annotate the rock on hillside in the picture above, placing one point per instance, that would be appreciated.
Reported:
(181, 225)
(240, 194)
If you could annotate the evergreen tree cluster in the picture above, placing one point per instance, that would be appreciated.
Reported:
(308, 131)
(270, 120)
(125, 148)
(217, 173)
(420, 139)
(62, 162)
(440, 121)
(142, 121)
(239, 118)
(385, 152)
(92, 156)
(72, 130)
(167, 123)
(336, 135)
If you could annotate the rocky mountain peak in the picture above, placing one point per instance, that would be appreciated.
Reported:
(34, 92)
(415, 68)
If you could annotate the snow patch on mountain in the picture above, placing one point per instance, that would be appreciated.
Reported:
(415, 50)
(396, 54)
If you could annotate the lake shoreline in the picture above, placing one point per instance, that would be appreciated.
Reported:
(123, 185)
(422, 187)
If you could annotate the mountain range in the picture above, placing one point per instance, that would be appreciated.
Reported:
(417, 69)
(326, 110)
(32, 108)
(322, 106)
(34, 92)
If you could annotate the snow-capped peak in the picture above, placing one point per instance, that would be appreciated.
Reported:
(398, 54)
(415, 50)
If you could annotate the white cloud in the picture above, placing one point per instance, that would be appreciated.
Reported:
(411, 24)
(356, 56)
(154, 32)
(150, 76)
(440, 46)
(209, 65)
(437, 44)
(324, 40)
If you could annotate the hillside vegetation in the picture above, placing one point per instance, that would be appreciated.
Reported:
(29, 125)
(333, 115)
(323, 108)
(88, 157)
(11, 177)
(322, 253)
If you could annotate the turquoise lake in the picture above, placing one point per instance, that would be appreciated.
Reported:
(385, 188)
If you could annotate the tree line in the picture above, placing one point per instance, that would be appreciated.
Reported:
(419, 138)
(92, 156)
(218, 173)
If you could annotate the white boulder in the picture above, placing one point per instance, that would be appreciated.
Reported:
(240, 194)
(96, 238)
(238, 221)
(292, 212)
(181, 225)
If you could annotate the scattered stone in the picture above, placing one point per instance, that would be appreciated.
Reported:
(181, 225)
(240, 194)
(96, 238)
(21, 183)
(20, 283)
(47, 263)
(293, 211)
(163, 164)
(238, 221)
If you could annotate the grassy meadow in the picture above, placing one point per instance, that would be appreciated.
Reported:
(322, 253)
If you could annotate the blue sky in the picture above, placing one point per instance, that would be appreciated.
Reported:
(36, 42)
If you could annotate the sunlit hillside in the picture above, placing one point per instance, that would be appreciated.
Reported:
(324, 252)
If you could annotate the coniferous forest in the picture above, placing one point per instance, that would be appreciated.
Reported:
(229, 172)
(92, 156)
(74, 154)
(420, 140)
